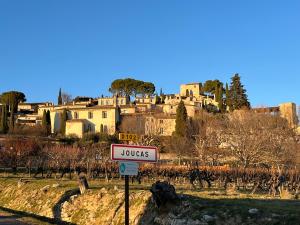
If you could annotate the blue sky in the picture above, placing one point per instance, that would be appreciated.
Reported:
(81, 46)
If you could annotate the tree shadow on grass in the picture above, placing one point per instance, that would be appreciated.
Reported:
(20, 214)
(57, 208)
(223, 211)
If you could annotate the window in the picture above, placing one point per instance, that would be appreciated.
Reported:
(105, 130)
(90, 115)
(121, 101)
(107, 103)
(104, 114)
(89, 128)
(161, 130)
(161, 121)
(76, 115)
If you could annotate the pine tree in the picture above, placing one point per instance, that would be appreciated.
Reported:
(63, 119)
(59, 99)
(237, 94)
(44, 122)
(48, 120)
(181, 120)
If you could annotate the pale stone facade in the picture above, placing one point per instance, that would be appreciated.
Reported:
(75, 127)
(192, 89)
(193, 104)
(93, 119)
(289, 112)
(113, 101)
(160, 124)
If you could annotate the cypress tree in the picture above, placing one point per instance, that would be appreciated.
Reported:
(11, 121)
(220, 98)
(181, 120)
(3, 120)
(59, 99)
(44, 122)
(227, 99)
(237, 94)
(63, 119)
(48, 120)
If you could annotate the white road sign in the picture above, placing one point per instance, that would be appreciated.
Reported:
(128, 168)
(134, 153)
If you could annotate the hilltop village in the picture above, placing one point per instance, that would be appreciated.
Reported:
(148, 114)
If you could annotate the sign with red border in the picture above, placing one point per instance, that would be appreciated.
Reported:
(133, 153)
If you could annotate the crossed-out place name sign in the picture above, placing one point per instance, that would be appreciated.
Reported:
(133, 153)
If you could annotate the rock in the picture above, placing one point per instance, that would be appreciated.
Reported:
(72, 198)
(158, 220)
(83, 184)
(45, 189)
(185, 204)
(21, 182)
(103, 190)
(208, 218)
(172, 216)
(179, 222)
(253, 211)
(55, 185)
(163, 193)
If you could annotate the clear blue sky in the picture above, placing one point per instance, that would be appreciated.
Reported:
(81, 46)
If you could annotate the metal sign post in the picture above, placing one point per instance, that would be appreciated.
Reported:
(126, 199)
(128, 157)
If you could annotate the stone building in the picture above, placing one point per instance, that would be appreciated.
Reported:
(285, 110)
(160, 124)
(192, 89)
(289, 112)
(114, 101)
(84, 119)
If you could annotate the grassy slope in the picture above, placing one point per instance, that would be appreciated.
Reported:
(233, 207)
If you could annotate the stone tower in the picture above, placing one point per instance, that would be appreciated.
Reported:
(289, 112)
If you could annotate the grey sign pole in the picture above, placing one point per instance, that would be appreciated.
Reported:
(126, 200)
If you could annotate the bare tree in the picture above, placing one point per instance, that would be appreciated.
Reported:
(133, 124)
(254, 139)
(66, 97)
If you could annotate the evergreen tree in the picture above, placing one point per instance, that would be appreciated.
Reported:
(59, 99)
(11, 122)
(48, 120)
(201, 91)
(44, 122)
(227, 98)
(181, 120)
(3, 120)
(237, 94)
(63, 119)
(219, 97)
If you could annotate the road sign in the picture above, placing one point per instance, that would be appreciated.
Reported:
(128, 168)
(129, 155)
(133, 153)
(128, 137)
